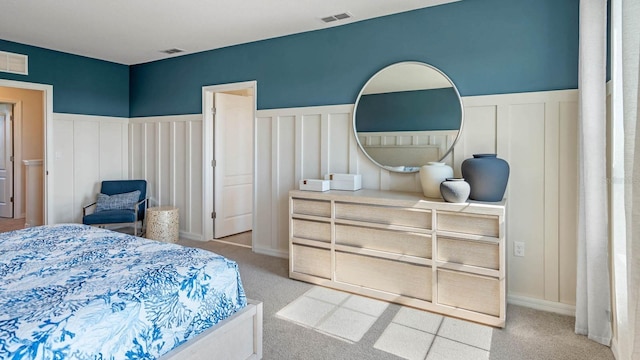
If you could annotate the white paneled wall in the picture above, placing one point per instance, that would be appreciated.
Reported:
(537, 134)
(534, 132)
(167, 152)
(86, 150)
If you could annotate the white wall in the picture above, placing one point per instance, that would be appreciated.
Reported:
(167, 152)
(86, 150)
(534, 132)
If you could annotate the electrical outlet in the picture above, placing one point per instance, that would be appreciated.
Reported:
(518, 248)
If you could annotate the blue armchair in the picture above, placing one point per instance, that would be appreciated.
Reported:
(119, 202)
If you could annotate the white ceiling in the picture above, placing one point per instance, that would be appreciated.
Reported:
(135, 31)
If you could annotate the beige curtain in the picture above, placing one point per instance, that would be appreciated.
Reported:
(630, 86)
(593, 302)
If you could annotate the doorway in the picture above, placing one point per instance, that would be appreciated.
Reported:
(229, 113)
(32, 107)
(6, 161)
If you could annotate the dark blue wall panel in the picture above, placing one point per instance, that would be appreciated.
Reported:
(422, 110)
(484, 46)
(81, 85)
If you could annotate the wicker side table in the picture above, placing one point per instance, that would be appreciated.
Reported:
(163, 223)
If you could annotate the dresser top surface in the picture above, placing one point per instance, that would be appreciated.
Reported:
(394, 198)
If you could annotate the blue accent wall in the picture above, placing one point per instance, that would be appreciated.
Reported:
(422, 110)
(81, 85)
(484, 46)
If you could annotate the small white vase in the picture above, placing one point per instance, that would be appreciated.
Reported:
(431, 175)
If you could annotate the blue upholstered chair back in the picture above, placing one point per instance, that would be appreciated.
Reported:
(111, 187)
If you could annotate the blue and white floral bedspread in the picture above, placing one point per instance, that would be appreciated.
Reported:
(78, 292)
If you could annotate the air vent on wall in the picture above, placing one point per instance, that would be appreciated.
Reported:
(337, 17)
(14, 63)
(172, 51)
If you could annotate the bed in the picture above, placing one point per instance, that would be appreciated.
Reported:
(79, 292)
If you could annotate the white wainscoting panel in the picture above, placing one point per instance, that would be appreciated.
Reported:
(534, 132)
(87, 149)
(167, 152)
(537, 134)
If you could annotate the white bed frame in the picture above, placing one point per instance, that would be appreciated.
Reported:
(237, 337)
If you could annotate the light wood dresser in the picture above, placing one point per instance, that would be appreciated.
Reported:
(400, 247)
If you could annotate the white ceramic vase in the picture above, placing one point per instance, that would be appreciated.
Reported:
(431, 175)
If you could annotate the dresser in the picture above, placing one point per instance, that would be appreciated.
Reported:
(400, 247)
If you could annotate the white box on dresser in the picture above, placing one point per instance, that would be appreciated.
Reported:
(314, 185)
(344, 181)
(400, 247)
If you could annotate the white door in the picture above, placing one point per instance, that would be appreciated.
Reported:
(6, 162)
(233, 171)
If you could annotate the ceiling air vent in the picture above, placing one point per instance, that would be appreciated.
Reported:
(14, 63)
(172, 51)
(337, 17)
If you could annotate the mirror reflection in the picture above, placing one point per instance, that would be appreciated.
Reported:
(407, 115)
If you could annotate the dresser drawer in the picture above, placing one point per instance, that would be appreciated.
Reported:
(311, 207)
(467, 291)
(469, 252)
(390, 276)
(417, 218)
(485, 225)
(311, 261)
(398, 242)
(311, 230)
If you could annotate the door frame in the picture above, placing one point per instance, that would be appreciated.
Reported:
(207, 152)
(16, 171)
(47, 156)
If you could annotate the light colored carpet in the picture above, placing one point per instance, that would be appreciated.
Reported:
(242, 239)
(529, 334)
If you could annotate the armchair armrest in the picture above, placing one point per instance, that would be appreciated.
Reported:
(144, 201)
(84, 208)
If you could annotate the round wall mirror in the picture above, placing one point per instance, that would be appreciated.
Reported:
(408, 114)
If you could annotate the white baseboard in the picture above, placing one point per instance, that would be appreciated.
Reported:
(191, 236)
(614, 348)
(544, 305)
(271, 252)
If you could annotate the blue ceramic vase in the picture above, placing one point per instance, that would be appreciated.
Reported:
(455, 190)
(487, 175)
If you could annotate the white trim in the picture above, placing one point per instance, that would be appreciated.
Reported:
(32, 162)
(514, 98)
(16, 114)
(330, 109)
(98, 118)
(166, 118)
(614, 348)
(48, 204)
(544, 305)
(207, 152)
(190, 236)
(271, 252)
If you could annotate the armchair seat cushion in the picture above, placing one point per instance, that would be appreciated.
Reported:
(109, 217)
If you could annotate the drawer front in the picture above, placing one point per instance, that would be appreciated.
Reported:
(312, 207)
(386, 275)
(467, 252)
(468, 223)
(311, 261)
(384, 215)
(467, 291)
(398, 242)
(312, 230)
